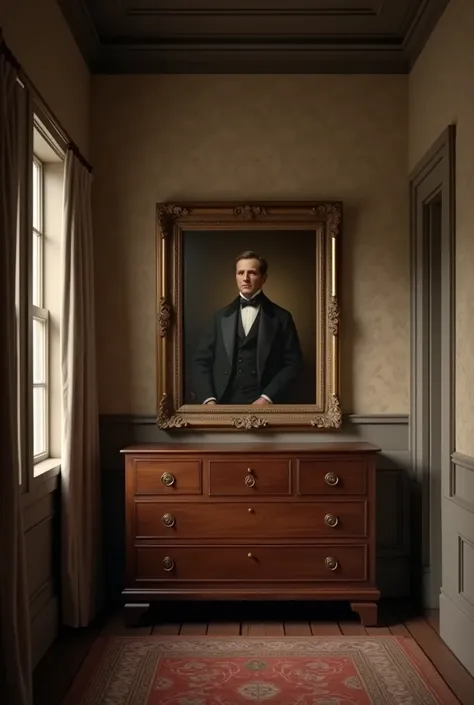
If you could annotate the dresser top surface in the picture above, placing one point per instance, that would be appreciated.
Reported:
(252, 448)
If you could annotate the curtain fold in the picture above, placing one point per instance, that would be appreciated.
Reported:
(81, 587)
(15, 651)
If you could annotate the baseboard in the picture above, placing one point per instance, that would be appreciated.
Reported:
(457, 630)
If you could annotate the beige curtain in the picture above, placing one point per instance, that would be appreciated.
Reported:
(80, 468)
(15, 646)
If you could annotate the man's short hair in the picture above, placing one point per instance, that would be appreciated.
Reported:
(250, 254)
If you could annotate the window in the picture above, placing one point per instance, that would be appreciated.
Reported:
(38, 303)
(45, 297)
(40, 322)
(38, 300)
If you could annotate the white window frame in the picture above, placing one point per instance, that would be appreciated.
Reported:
(38, 311)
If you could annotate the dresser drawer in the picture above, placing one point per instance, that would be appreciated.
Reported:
(252, 562)
(337, 518)
(339, 476)
(249, 477)
(167, 477)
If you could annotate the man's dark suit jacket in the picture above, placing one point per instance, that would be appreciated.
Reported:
(279, 356)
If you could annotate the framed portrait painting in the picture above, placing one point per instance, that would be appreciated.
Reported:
(248, 319)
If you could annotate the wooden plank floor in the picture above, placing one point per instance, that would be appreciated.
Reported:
(56, 671)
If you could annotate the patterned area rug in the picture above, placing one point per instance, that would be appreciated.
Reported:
(384, 670)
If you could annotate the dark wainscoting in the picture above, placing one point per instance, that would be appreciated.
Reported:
(394, 486)
(42, 530)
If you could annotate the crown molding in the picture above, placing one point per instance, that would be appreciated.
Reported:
(83, 30)
(249, 59)
(389, 53)
(420, 28)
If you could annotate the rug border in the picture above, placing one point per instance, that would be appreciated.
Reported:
(419, 660)
(434, 680)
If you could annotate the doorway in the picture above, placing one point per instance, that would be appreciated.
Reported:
(439, 516)
(432, 335)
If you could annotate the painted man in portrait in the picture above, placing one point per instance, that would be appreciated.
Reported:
(251, 352)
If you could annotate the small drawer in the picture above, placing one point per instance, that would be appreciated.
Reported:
(170, 477)
(247, 520)
(341, 476)
(249, 477)
(252, 562)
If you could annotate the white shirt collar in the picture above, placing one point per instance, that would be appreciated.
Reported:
(252, 297)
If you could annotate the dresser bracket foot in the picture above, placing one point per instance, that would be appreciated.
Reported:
(367, 612)
(135, 612)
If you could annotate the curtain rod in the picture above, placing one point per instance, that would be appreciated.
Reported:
(10, 57)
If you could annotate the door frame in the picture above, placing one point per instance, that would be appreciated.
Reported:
(432, 177)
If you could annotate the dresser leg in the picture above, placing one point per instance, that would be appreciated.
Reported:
(367, 612)
(134, 613)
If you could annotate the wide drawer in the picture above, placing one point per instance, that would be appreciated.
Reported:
(249, 477)
(252, 562)
(167, 476)
(339, 476)
(339, 518)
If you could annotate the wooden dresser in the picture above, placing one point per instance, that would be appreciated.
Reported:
(260, 521)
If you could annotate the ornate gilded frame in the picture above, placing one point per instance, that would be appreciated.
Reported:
(325, 218)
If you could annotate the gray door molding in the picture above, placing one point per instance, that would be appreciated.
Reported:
(432, 348)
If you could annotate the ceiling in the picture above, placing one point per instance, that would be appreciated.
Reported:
(251, 36)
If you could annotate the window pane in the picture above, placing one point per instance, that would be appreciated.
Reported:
(39, 420)
(36, 196)
(37, 264)
(39, 351)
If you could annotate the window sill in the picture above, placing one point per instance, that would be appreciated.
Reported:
(46, 468)
(45, 481)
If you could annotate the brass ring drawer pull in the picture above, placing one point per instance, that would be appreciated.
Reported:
(331, 563)
(168, 519)
(168, 479)
(250, 481)
(168, 564)
(331, 479)
(331, 520)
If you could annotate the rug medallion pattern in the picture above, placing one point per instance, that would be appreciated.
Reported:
(243, 671)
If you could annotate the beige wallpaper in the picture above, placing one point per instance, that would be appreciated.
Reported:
(159, 138)
(441, 92)
(40, 38)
